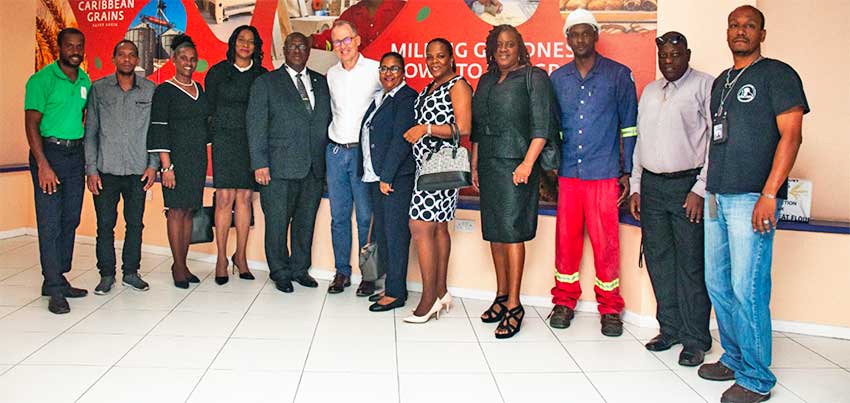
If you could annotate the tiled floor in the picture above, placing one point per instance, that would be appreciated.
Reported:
(247, 342)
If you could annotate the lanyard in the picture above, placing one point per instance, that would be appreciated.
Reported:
(727, 87)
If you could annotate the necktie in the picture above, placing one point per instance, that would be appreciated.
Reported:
(302, 90)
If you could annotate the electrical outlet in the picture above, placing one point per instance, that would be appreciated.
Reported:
(464, 226)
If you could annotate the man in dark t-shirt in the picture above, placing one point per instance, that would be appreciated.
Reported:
(757, 108)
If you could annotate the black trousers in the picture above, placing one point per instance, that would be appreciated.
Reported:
(290, 204)
(132, 190)
(674, 250)
(58, 214)
(391, 232)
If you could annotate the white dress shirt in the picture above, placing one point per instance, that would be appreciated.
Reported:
(305, 78)
(369, 174)
(673, 123)
(352, 92)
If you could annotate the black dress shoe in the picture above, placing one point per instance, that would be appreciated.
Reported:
(691, 357)
(366, 288)
(339, 283)
(306, 280)
(661, 342)
(58, 304)
(612, 325)
(377, 307)
(68, 292)
(284, 285)
(376, 296)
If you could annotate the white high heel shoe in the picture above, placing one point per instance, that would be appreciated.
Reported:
(446, 301)
(435, 312)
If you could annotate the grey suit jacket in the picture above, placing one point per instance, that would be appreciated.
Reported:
(282, 134)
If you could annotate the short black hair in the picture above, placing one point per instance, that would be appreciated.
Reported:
(257, 57)
(394, 55)
(288, 40)
(493, 46)
(182, 40)
(122, 42)
(448, 45)
(68, 31)
(755, 10)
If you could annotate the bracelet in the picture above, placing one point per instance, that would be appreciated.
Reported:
(770, 196)
(170, 168)
(428, 129)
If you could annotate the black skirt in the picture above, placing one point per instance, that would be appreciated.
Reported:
(508, 212)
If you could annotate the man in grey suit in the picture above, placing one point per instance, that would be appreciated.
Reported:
(288, 115)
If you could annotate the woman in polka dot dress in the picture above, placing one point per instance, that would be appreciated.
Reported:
(446, 100)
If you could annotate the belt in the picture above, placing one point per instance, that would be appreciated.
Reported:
(677, 175)
(62, 142)
(346, 145)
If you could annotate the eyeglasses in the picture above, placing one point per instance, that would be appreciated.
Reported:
(300, 46)
(674, 39)
(393, 69)
(344, 41)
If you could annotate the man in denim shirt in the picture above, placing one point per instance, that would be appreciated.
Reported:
(598, 104)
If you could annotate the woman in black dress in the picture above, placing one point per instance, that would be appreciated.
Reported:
(511, 114)
(228, 84)
(178, 133)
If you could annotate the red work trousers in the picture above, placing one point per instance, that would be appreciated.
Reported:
(593, 202)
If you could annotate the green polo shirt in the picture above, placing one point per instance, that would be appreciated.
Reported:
(60, 101)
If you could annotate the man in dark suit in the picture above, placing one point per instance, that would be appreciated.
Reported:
(288, 115)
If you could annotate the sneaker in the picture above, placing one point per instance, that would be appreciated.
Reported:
(561, 316)
(105, 285)
(134, 281)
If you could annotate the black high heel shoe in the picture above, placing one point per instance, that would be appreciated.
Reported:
(222, 280)
(493, 316)
(244, 276)
(184, 284)
(511, 323)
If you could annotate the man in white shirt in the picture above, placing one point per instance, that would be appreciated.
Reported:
(352, 82)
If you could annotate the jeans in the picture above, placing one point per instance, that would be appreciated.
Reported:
(346, 191)
(737, 275)
(132, 190)
(58, 214)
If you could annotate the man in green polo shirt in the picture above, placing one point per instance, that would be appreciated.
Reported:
(55, 100)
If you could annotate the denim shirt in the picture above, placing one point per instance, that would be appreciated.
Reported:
(595, 113)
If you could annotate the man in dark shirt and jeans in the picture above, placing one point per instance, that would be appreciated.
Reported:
(118, 164)
(757, 108)
(53, 118)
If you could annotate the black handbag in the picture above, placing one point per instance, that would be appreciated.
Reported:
(370, 266)
(446, 168)
(202, 225)
(550, 157)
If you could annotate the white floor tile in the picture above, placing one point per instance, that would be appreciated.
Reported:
(348, 304)
(654, 386)
(533, 329)
(15, 346)
(377, 329)
(289, 305)
(349, 387)
(351, 355)
(442, 330)
(817, 385)
(787, 353)
(84, 349)
(227, 386)
(173, 352)
(161, 385)
(417, 357)
(236, 284)
(612, 356)
(551, 387)
(5, 310)
(20, 258)
(10, 244)
(39, 319)
(643, 334)
(156, 299)
(262, 355)
(119, 322)
(276, 327)
(199, 301)
(203, 324)
(835, 350)
(528, 357)
(30, 277)
(18, 295)
(455, 388)
(27, 383)
(586, 328)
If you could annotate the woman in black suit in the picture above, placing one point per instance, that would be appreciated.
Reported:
(389, 168)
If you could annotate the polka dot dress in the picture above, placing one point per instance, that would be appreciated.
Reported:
(434, 108)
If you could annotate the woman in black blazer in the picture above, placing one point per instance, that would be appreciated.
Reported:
(387, 164)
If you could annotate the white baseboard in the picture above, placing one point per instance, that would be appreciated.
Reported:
(320, 273)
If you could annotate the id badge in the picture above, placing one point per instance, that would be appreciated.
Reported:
(720, 129)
